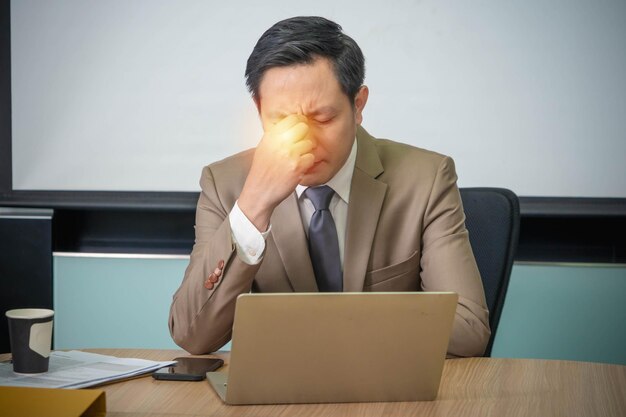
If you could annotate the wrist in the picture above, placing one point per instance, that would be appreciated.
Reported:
(256, 211)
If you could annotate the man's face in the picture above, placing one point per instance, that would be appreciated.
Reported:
(314, 92)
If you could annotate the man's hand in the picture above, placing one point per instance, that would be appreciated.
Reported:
(280, 161)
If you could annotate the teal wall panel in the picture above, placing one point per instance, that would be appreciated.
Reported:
(575, 312)
(551, 311)
(114, 302)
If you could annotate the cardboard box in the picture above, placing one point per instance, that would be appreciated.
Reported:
(49, 402)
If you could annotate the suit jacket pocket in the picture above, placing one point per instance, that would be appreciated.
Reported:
(408, 268)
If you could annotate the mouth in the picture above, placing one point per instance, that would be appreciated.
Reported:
(314, 166)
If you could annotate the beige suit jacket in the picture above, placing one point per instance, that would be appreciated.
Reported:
(405, 232)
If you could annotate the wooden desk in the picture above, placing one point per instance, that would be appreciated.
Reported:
(469, 387)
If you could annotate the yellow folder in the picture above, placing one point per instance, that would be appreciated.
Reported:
(37, 402)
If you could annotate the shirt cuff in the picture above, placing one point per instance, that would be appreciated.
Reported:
(250, 243)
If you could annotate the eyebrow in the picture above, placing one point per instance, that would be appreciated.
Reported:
(316, 112)
(277, 115)
(322, 110)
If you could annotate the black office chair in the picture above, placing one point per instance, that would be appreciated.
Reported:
(492, 219)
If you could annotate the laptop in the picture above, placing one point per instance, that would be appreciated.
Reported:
(336, 347)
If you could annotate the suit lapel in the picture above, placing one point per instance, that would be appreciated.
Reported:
(288, 234)
(366, 200)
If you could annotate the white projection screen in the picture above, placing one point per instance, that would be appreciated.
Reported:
(138, 95)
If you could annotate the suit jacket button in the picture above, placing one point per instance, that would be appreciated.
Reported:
(208, 285)
(213, 278)
(220, 264)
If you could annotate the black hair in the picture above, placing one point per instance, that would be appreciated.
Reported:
(300, 40)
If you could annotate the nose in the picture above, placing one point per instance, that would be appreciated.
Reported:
(301, 116)
(311, 136)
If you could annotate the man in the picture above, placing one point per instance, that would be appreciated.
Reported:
(320, 205)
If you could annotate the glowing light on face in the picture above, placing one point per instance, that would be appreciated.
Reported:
(312, 92)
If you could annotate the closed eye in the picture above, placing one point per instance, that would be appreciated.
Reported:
(324, 121)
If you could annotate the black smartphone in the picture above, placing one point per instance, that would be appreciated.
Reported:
(188, 369)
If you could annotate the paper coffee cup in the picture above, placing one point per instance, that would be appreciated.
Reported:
(30, 331)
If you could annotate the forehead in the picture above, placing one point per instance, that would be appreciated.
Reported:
(300, 88)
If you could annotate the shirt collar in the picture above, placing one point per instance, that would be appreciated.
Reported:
(340, 183)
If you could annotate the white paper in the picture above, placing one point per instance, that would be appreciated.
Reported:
(76, 369)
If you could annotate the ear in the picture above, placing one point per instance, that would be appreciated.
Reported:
(257, 103)
(360, 100)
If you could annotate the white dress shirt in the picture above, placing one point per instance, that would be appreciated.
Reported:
(250, 243)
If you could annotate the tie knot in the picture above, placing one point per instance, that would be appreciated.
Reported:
(320, 196)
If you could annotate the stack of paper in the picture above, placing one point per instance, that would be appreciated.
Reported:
(75, 369)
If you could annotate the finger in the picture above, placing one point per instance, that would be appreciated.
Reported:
(306, 161)
(287, 123)
(296, 133)
(302, 147)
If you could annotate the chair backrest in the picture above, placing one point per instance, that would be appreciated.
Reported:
(492, 219)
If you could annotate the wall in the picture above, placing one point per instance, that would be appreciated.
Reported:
(114, 302)
(572, 311)
(551, 311)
